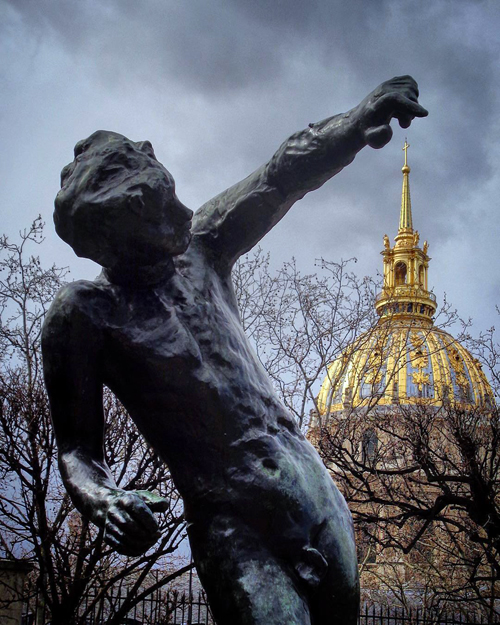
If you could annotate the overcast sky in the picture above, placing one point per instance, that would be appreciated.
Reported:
(217, 85)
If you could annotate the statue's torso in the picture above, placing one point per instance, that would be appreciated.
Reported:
(177, 356)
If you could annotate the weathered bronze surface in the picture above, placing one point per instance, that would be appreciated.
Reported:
(271, 535)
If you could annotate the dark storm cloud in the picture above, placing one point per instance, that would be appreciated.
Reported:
(225, 45)
(207, 45)
(220, 47)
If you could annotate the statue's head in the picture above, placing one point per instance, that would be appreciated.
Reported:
(117, 204)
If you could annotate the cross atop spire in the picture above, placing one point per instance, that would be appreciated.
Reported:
(405, 150)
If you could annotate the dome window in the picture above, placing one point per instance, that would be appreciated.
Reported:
(421, 276)
(400, 273)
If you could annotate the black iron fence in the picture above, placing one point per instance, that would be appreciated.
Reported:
(173, 608)
(383, 615)
(159, 608)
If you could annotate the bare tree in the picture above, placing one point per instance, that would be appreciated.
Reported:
(429, 488)
(37, 519)
(299, 323)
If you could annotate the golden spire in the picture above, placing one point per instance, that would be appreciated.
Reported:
(405, 219)
(405, 292)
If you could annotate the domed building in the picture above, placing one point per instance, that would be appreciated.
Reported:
(397, 416)
(405, 358)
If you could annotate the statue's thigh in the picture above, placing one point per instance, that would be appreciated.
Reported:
(244, 582)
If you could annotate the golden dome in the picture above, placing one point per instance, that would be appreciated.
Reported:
(404, 359)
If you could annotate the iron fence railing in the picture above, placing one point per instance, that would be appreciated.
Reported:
(371, 614)
(173, 608)
(159, 608)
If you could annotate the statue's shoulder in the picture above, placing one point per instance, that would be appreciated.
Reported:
(81, 299)
(81, 293)
(74, 323)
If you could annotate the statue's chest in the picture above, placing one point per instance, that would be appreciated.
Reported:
(180, 327)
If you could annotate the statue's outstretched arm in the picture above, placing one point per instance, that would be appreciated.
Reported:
(71, 347)
(234, 221)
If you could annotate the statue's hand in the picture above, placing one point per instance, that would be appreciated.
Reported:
(395, 98)
(130, 526)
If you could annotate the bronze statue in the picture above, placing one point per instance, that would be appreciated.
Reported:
(271, 535)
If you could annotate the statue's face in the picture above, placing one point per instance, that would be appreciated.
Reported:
(117, 204)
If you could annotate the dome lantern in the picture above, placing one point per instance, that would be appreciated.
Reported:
(405, 289)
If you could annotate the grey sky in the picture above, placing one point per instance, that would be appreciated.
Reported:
(217, 86)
